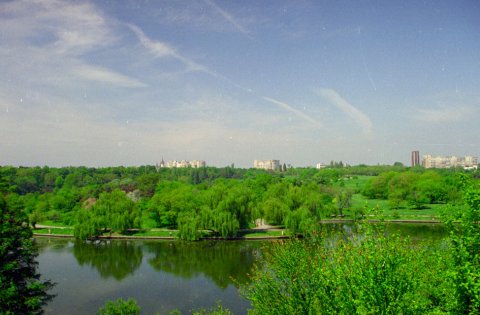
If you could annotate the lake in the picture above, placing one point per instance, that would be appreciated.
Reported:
(162, 275)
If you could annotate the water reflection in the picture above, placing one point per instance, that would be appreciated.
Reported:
(117, 259)
(54, 244)
(224, 263)
(415, 231)
(164, 275)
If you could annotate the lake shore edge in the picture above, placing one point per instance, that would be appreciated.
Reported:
(239, 238)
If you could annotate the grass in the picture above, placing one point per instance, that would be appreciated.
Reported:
(55, 231)
(155, 232)
(404, 212)
(260, 234)
(52, 223)
(355, 183)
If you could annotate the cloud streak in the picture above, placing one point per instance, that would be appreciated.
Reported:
(444, 114)
(355, 114)
(292, 110)
(163, 50)
(229, 18)
(100, 74)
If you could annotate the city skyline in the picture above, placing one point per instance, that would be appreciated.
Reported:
(106, 83)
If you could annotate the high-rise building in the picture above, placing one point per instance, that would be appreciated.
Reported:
(415, 158)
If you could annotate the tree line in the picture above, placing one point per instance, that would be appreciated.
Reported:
(414, 188)
(218, 201)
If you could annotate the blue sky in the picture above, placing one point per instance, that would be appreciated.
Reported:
(103, 83)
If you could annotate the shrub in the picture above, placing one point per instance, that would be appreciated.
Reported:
(120, 307)
(350, 275)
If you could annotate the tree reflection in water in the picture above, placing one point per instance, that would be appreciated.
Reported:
(225, 262)
(117, 259)
(56, 244)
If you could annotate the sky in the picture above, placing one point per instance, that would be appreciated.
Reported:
(107, 83)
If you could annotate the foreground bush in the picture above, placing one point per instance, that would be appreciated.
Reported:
(374, 274)
(120, 307)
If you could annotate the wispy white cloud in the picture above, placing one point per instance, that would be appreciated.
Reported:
(59, 26)
(445, 114)
(101, 74)
(354, 113)
(163, 50)
(45, 41)
(229, 18)
(289, 108)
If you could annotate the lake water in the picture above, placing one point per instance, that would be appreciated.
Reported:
(161, 275)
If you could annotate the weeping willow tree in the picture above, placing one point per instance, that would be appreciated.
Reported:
(113, 212)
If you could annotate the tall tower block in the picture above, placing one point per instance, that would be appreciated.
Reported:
(415, 158)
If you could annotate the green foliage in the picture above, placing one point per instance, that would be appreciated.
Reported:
(188, 226)
(226, 264)
(21, 291)
(274, 211)
(87, 226)
(216, 310)
(301, 222)
(120, 307)
(220, 200)
(114, 211)
(112, 259)
(415, 188)
(375, 274)
(465, 241)
(343, 200)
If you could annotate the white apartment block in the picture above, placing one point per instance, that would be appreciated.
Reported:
(321, 165)
(467, 162)
(273, 165)
(183, 163)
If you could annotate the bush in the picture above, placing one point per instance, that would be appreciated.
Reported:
(120, 307)
(374, 274)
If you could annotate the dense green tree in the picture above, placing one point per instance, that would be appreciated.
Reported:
(21, 291)
(171, 199)
(301, 221)
(188, 226)
(112, 211)
(274, 211)
(377, 187)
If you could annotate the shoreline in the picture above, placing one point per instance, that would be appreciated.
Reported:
(166, 238)
(239, 238)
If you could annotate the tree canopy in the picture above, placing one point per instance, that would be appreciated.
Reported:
(21, 291)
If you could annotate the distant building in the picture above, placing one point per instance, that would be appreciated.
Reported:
(197, 163)
(415, 158)
(273, 165)
(183, 163)
(160, 165)
(467, 162)
(321, 165)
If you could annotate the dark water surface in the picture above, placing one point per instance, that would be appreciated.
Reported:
(162, 275)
